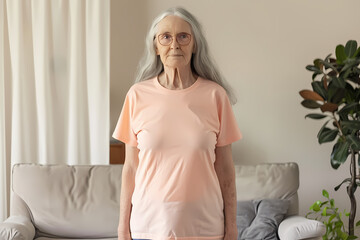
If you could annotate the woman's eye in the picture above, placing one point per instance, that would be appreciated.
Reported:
(166, 36)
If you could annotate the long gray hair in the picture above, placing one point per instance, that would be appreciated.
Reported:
(202, 64)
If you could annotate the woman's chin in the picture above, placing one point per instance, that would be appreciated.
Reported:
(175, 64)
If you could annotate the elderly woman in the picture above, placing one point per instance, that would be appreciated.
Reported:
(178, 179)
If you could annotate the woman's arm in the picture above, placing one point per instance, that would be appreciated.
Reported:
(127, 189)
(225, 171)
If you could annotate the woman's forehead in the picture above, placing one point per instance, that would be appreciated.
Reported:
(173, 24)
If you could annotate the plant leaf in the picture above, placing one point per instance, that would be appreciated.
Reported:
(318, 64)
(315, 116)
(311, 95)
(324, 212)
(323, 203)
(329, 107)
(335, 164)
(339, 94)
(354, 142)
(340, 152)
(316, 206)
(327, 57)
(310, 104)
(313, 69)
(322, 128)
(353, 124)
(332, 203)
(350, 63)
(328, 65)
(327, 135)
(319, 88)
(325, 193)
(349, 107)
(332, 217)
(357, 52)
(338, 82)
(314, 75)
(340, 54)
(350, 48)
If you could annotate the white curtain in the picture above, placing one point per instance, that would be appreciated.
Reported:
(3, 186)
(59, 68)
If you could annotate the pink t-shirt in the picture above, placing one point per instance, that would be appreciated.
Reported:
(177, 193)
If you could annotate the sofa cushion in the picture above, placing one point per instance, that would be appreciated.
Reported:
(259, 219)
(269, 181)
(70, 201)
(297, 227)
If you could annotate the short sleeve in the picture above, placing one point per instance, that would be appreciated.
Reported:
(123, 130)
(229, 131)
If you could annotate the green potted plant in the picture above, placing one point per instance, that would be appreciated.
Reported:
(329, 214)
(336, 93)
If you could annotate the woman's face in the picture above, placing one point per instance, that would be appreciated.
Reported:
(174, 55)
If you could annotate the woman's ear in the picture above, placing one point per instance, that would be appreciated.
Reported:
(194, 48)
(155, 46)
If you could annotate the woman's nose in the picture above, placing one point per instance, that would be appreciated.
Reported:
(175, 44)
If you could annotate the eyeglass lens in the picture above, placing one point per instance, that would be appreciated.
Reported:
(182, 38)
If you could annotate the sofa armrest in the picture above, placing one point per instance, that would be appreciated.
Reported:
(17, 228)
(297, 227)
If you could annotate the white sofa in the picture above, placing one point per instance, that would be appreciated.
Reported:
(82, 202)
(278, 181)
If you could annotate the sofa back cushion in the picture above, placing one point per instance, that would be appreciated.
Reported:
(268, 181)
(70, 201)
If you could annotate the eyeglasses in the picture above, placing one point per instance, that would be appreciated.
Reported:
(182, 38)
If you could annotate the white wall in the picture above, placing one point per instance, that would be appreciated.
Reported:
(262, 47)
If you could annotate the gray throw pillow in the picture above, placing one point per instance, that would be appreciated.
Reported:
(260, 219)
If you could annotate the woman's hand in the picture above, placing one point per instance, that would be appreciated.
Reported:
(231, 234)
(124, 235)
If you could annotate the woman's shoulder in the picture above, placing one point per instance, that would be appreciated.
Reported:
(141, 86)
(212, 85)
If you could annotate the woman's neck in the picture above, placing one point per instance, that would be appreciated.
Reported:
(176, 78)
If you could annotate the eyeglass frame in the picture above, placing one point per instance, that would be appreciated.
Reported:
(172, 39)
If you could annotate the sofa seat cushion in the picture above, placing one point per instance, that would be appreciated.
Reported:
(259, 219)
